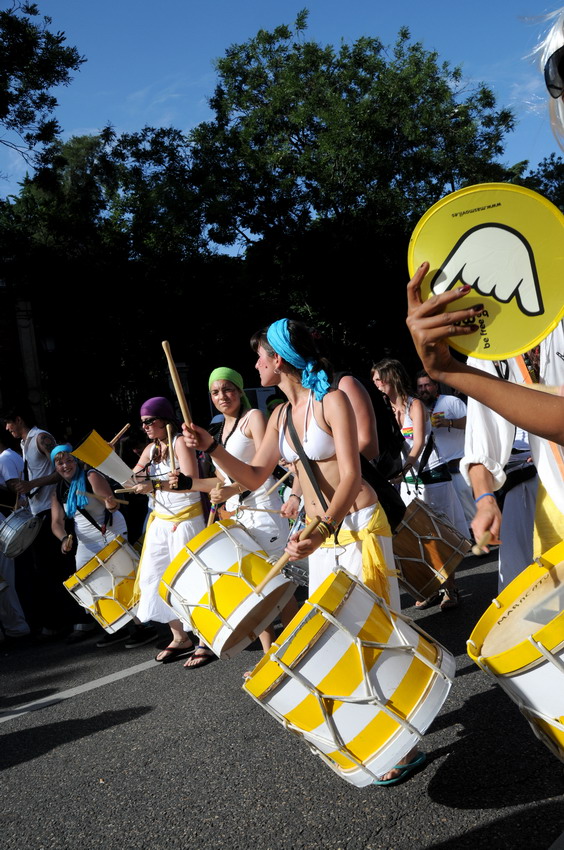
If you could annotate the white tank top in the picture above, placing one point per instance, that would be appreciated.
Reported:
(38, 466)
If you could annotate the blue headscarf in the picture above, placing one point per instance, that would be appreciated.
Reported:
(278, 337)
(77, 496)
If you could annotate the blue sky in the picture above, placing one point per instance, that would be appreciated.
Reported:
(152, 62)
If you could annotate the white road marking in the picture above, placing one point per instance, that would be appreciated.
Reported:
(10, 714)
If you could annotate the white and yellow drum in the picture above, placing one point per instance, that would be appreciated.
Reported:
(359, 682)
(212, 583)
(104, 585)
(520, 642)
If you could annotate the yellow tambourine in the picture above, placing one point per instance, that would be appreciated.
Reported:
(507, 243)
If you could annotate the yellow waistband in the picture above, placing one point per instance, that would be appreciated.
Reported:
(186, 513)
(375, 570)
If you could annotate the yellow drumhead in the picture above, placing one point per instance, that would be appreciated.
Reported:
(506, 242)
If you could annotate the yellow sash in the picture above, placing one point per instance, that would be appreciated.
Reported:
(375, 570)
(190, 512)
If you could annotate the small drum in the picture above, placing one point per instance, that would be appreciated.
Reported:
(104, 585)
(18, 531)
(427, 549)
(520, 642)
(211, 583)
(359, 682)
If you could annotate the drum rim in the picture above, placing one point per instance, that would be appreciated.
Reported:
(523, 655)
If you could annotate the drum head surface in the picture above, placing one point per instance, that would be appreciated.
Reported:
(531, 611)
(506, 242)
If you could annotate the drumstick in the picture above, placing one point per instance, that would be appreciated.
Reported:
(281, 563)
(260, 510)
(478, 547)
(119, 435)
(278, 483)
(171, 460)
(177, 385)
(103, 498)
(214, 507)
(125, 490)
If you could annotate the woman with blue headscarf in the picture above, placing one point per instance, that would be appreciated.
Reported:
(324, 421)
(354, 532)
(95, 522)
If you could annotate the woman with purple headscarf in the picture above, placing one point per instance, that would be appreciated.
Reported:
(176, 517)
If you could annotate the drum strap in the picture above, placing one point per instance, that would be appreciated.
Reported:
(304, 458)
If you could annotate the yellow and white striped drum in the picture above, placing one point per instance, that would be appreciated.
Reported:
(212, 584)
(358, 681)
(520, 642)
(104, 585)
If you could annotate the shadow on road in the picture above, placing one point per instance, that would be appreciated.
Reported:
(27, 744)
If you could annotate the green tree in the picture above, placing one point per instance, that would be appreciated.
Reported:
(33, 60)
(548, 179)
(304, 132)
(319, 161)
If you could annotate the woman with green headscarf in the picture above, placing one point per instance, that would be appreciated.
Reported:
(241, 434)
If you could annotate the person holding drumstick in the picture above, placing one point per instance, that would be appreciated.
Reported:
(96, 522)
(241, 434)
(323, 423)
(177, 516)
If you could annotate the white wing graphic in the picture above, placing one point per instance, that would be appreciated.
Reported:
(497, 261)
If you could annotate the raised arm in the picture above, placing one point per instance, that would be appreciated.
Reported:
(250, 475)
(431, 327)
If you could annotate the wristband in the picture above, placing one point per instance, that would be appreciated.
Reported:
(295, 495)
(483, 496)
(184, 481)
(212, 447)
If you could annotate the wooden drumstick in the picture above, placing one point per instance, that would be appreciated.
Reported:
(278, 483)
(119, 435)
(102, 498)
(281, 563)
(171, 460)
(478, 547)
(177, 385)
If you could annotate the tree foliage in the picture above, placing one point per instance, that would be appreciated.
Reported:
(304, 132)
(33, 60)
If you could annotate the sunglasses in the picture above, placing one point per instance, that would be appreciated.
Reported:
(554, 73)
(146, 422)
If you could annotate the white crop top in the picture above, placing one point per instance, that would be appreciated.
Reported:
(317, 443)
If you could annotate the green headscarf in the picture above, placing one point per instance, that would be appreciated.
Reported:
(222, 373)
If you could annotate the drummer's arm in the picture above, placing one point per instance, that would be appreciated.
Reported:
(250, 475)
(58, 523)
(340, 418)
(430, 327)
(45, 443)
(364, 415)
(488, 514)
(101, 487)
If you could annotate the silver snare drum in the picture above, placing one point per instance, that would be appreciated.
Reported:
(18, 531)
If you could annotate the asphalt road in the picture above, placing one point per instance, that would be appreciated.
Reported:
(145, 756)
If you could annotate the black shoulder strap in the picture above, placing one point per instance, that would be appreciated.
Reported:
(304, 459)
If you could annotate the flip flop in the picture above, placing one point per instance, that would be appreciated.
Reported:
(173, 652)
(202, 656)
(406, 769)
